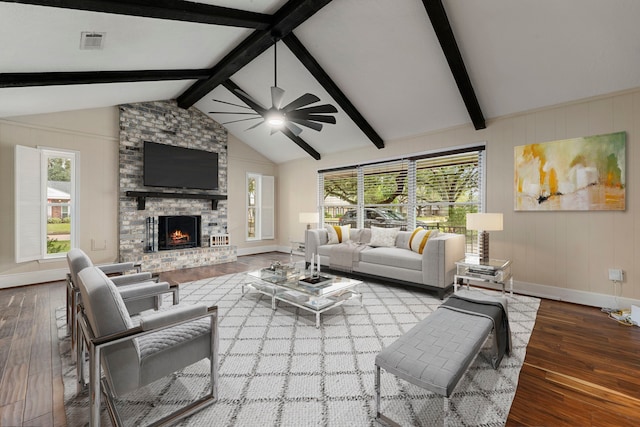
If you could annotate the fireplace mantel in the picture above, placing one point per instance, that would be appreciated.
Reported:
(141, 197)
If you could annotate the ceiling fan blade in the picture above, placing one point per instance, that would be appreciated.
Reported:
(234, 112)
(293, 128)
(321, 118)
(321, 109)
(276, 97)
(316, 117)
(231, 103)
(247, 99)
(303, 100)
(254, 126)
(240, 120)
(307, 123)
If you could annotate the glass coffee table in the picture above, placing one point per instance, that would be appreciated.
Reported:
(315, 293)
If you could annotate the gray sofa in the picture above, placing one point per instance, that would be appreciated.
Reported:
(433, 269)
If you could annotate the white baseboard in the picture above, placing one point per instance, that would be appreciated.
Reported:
(32, 277)
(257, 250)
(591, 299)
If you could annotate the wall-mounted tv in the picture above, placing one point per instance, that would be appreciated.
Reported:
(178, 167)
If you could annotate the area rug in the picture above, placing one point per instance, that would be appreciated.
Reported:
(278, 369)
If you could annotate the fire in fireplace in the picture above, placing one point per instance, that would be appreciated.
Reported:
(178, 232)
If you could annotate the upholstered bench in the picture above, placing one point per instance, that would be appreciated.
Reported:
(436, 353)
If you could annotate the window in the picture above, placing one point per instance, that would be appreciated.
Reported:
(260, 207)
(46, 189)
(340, 190)
(434, 190)
(386, 197)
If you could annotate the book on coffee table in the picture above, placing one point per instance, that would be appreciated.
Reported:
(295, 296)
(316, 281)
(319, 303)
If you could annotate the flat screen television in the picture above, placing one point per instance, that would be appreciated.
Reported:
(178, 167)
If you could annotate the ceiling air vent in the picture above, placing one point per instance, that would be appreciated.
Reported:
(91, 40)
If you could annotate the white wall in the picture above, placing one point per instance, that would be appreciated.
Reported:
(564, 255)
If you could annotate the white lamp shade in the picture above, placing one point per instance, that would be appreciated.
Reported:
(484, 221)
(308, 217)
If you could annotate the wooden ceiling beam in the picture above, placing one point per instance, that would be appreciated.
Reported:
(92, 77)
(234, 88)
(285, 20)
(303, 55)
(444, 32)
(175, 10)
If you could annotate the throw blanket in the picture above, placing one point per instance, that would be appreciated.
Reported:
(492, 310)
(344, 255)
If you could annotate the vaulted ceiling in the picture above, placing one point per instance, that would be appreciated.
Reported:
(394, 69)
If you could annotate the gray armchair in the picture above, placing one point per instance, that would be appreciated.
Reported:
(139, 291)
(123, 358)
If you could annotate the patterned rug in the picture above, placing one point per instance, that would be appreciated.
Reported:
(278, 369)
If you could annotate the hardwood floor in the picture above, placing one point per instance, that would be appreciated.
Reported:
(581, 368)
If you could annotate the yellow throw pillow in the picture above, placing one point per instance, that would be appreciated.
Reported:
(338, 233)
(418, 239)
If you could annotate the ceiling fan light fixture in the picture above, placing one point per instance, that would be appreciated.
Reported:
(275, 118)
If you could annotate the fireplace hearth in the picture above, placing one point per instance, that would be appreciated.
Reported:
(178, 232)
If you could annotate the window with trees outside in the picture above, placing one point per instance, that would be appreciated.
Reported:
(434, 190)
(46, 201)
(59, 201)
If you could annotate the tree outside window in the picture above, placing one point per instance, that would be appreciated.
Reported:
(59, 203)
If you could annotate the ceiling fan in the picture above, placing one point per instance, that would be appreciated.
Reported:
(297, 112)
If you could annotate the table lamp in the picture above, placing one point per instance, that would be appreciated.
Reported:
(483, 223)
(308, 217)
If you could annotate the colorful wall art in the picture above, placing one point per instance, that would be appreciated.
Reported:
(578, 174)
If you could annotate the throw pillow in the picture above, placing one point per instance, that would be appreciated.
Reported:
(419, 237)
(383, 236)
(338, 233)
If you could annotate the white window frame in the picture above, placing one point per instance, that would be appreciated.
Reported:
(31, 205)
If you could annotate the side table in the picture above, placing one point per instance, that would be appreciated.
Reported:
(493, 271)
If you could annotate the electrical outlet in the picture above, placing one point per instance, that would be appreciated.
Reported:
(615, 274)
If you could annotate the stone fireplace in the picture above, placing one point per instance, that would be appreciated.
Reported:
(188, 223)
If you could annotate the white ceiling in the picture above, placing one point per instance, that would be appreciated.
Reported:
(383, 55)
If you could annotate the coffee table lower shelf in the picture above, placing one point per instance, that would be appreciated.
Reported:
(295, 298)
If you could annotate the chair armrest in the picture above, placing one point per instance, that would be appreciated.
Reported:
(137, 331)
(129, 279)
(174, 315)
(143, 290)
(118, 267)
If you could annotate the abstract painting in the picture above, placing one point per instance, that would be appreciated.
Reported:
(578, 174)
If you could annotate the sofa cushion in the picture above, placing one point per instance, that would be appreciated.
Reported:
(395, 257)
(360, 235)
(385, 237)
(418, 239)
(338, 233)
(325, 250)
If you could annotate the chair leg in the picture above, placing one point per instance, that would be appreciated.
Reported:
(69, 303)
(111, 404)
(214, 356)
(380, 417)
(94, 384)
(377, 389)
(80, 352)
